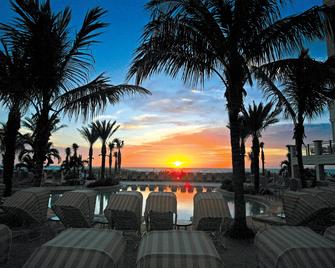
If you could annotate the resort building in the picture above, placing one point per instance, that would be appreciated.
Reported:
(320, 153)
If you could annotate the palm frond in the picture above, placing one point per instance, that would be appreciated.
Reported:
(94, 96)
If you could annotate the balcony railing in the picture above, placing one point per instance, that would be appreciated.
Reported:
(320, 148)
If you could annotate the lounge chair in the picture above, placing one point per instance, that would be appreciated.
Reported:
(177, 249)
(291, 246)
(303, 208)
(2, 190)
(29, 205)
(124, 211)
(84, 248)
(311, 207)
(5, 243)
(330, 233)
(159, 210)
(210, 211)
(76, 208)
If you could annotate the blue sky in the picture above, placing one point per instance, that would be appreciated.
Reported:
(174, 108)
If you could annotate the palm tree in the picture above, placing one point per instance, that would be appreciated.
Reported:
(26, 157)
(202, 38)
(115, 162)
(251, 159)
(68, 154)
(111, 146)
(13, 91)
(261, 146)
(91, 136)
(119, 144)
(307, 85)
(257, 118)
(61, 76)
(75, 148)
(105, 130)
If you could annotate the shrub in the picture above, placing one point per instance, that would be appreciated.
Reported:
(227, 184)
(101, 183)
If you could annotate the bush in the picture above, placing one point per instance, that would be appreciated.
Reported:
(227, 185)
(101, 183)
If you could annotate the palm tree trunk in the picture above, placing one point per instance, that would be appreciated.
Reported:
(12, 129)
(243, 153)
(40, 145)
(255, 149)
(263, 162)
(234, 97)
(103, 160)
(299, 140)
(115, 163)
(90, 160)
(119, 160)
(110, 163)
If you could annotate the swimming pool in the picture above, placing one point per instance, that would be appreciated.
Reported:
(184, 193)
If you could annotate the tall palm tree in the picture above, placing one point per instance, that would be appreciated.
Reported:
(261, 146)
(203, 38)
(307, 85)
(257, 118)
(111, 146)
(119, 144)
(13, 92)
(60, 77)
(105, 130)
(91, 136)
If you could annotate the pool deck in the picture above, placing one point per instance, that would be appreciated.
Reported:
(237, 253)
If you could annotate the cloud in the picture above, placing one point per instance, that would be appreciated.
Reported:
(104, 117)
(146, 118)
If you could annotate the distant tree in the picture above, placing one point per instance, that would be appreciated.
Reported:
(73, 164)
(68, 154)
(119, 144)
(60, 63)
(307, 85)
(111, 146)
(105, 129)
(257, 118)
(91, 136)
(115, 162)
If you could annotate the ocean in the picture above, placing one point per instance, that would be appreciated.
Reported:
(329, 169)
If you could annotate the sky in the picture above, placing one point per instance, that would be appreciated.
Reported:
(177, 122)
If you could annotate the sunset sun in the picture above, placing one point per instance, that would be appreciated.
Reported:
(177, 163)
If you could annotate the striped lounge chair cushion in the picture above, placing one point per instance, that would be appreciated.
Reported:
(177, 249)
(330, 233)
(159, 209)
(84, 248)
(5, 242)
(31, 204)
(209, 206)
(291, 246)
(299, 207)
(76, 208)
(161, 202)
(2, 189)
(124, 209)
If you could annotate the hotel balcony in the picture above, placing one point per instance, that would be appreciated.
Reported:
(318, 154)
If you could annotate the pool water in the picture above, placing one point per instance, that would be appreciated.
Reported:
(184, 199)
